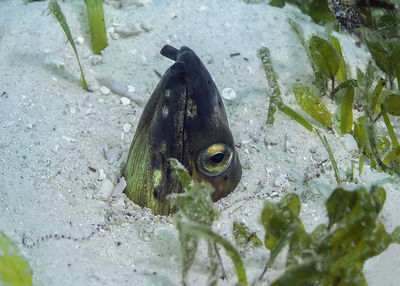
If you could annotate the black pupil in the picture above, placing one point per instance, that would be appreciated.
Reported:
(217, 158)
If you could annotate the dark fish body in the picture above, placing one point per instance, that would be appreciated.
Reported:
(184, 119)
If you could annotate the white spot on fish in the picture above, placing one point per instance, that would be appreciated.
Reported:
(191, 108)
(165, 111)
(163, 148)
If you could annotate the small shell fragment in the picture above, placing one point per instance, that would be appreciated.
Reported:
(80, 40)
(53, 63)
(126, 127)
(119, 188)
(125, 101)
(228, 93)
(145, 25)
(105, 190)
(102, 175)
(104, 90)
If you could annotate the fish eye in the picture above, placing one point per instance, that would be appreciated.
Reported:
(214, 160)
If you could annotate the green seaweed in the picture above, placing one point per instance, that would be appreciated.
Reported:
(97, 27)
(55, 9)
(378, 145)
(194, 219)
(277, 3)
(386, 54)
(346, 111)
(206, 232)
(14, 268)
(391, 156)
(396, 63)
(325, 57)
(350, 173)
(359, 132)
(365, 81)
(275, 100)
(195, 207)
(361, 164)
(389, 127)
(333, 254)
(292, 114)
(341, 74)
(327, 62)
(345, 84)
(392, 104)
(195, 202)
(381, 28)
(265, 56)
(312, 104)
(376, 95)
(243, 236)
(320, 79)
(331, 157)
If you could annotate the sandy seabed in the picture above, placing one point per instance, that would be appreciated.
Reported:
(52, 131)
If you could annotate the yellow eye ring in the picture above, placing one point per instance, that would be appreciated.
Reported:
(214, 160)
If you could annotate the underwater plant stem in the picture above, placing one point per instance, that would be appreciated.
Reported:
(378, 117)
(389, 127)
(391, 156)
(274, 253)
(346, 111)
(333, 161)
(294, 115)
(97, 27)
(377, 93)
(361, 164)
(223, 275)
(265, 56)
(55, 9)
(275, 100)
(320, 79)
(263, 273)
(202, 231)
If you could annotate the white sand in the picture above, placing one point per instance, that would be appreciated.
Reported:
(52, 130)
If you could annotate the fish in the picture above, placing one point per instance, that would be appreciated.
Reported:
(185, 119)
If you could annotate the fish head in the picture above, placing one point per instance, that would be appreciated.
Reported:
(185, 119)
(209, 150)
